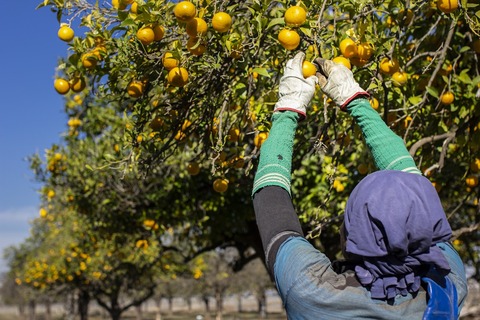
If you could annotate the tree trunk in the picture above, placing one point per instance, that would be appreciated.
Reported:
(170, 305)
(239, 303)
(262, 306)
(21, 311)
(115, 311)
(48, 310)
(219, 300)
(31, 310)
(207, 303)
(70, 307)
(189, 304)
(138, 312)
(158, 303)
(83, 302)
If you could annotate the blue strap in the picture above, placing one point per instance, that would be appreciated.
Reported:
(442, 298)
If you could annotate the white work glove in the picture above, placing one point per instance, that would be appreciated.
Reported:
(295, 91)
(337, 82)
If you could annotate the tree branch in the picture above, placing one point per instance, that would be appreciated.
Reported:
(417, 145)
(472, 228)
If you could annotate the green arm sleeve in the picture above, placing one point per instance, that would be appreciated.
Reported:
(274, 168)
(388, 150)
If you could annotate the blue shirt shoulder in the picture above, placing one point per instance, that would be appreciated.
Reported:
(311, 289)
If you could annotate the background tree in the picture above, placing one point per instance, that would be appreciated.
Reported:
(213, 271)
(253, 278)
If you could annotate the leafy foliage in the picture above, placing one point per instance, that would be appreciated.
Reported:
(124, 191)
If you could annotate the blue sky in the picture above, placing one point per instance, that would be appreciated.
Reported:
(32, 117)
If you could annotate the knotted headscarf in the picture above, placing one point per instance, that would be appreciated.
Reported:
(393, 220)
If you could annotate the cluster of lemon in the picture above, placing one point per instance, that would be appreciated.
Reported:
(77, 83)
(195, 27)
(353, 53)
(294, 17)
(63, 86)
(185, 13)
(220, 185)
(391, 66)
(56, 162)
(472, 179)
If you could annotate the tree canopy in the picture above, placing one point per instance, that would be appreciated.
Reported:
(168, 104)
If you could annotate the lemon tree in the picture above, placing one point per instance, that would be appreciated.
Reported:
(206, 94)
(97, 226)
(78, 250)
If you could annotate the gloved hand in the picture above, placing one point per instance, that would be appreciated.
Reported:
(337, 82)
(295, 92)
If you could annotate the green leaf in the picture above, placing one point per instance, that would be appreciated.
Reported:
(89, 167)
(232, 8)
(122, 15)
(464, 49)
(41, 5)
(240, 85)
(128, 22)
(59, 16)
(252, 11)
(109, 156)
(275, 22)
(228, 44)
(443, 126)
(432, 91)
(87, 20)
(476, 80)
(415, 100)
(258, 19)
(307, 32)
(464, 112)
(262, 71)
(464, 77)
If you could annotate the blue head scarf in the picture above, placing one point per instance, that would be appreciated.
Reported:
(393, 220)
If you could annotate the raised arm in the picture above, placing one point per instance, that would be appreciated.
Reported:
(388, 150)
(275, 215)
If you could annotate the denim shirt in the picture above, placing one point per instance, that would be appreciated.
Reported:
(311, 289)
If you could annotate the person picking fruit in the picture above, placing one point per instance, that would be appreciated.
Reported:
(399, 263)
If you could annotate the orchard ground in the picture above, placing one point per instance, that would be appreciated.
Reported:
(249, 307)
(180, 310)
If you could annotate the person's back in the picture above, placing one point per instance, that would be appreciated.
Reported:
(319, 292)
(392, 236)
(312, 287)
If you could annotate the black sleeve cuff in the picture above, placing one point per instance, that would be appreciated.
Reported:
(276, 220)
